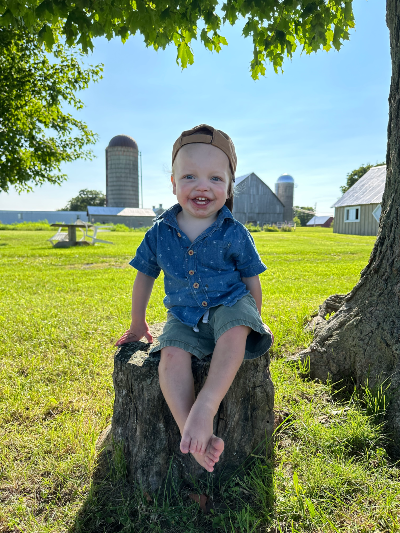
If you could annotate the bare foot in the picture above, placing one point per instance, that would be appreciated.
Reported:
(198, 429)
(213, 451)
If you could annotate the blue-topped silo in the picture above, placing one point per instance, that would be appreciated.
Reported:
(284, 189)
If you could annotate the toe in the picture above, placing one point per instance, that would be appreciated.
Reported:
(209, 461)
(193, 446)
(213, 451)
(215, 448)
(185, 445)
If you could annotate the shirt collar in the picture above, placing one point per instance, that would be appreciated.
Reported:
(169, 216)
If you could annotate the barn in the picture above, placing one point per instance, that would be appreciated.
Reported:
(321, 221)
(255, 202)
(358, 211)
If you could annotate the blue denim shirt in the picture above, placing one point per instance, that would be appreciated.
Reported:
(201, 274)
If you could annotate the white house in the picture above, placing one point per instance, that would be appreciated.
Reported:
(358, 211)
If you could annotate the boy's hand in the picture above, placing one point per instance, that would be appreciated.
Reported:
(135, 333)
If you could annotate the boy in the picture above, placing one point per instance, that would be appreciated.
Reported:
(213, 293)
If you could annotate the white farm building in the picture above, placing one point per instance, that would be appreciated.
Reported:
(358, 211)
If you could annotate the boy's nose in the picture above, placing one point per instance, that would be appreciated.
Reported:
(202, 185)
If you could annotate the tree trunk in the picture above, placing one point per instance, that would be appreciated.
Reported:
(143, 424)
(361, 341)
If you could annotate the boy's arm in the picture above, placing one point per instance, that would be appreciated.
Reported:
(254, 286)
(140, 298)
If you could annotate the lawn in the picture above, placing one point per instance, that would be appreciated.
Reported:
(61, 310)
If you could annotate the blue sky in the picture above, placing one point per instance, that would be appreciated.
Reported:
(324, 116)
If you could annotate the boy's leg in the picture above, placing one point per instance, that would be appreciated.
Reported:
(176, 382)
(226, 360)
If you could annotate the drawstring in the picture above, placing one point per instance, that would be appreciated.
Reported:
(205, 320)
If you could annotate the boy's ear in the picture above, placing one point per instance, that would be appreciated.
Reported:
(173, 184)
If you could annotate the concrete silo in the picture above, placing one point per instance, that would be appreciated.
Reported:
(122, 176)
(284, 188)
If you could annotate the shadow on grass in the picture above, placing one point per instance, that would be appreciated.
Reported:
(368, 404)
(240, 503)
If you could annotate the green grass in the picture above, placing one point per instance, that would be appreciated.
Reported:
(61, 310)
(43, 225)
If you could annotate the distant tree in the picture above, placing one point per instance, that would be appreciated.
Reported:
(85, 197)
(355, 175)
(304, 217)
(36, 134)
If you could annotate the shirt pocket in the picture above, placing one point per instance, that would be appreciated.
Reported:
(215, 255)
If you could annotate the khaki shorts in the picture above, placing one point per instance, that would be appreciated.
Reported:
(221, 318)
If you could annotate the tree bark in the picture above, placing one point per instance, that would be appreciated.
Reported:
(361, 341)
(143, 424)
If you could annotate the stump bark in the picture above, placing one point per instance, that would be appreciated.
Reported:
(142, 422)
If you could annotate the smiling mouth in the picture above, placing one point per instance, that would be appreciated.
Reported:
(201, 200)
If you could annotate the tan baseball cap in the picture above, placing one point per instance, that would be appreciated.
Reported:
(207, 135)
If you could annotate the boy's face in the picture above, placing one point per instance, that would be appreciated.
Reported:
(201, 179)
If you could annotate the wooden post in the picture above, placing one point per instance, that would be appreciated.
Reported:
(142, 422)
(72, 235)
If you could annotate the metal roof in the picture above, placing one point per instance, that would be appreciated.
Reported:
(120, 211)
(367, 190)
(242, 178)
(318, 220)
(285, 178)
(122, 140)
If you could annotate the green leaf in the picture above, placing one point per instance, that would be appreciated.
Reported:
(348, 11)
(7, 19)
(185, 55)
(311, 508)
(46, 36)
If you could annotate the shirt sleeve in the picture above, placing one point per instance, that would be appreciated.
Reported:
(248, 260)
(145, 259)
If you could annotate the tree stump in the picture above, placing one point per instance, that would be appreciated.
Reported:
(142, 422)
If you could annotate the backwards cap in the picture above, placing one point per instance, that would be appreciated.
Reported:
(207, 135)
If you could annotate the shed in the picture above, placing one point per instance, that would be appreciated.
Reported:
(133, 217)
(255, 202)
(322, 221)
(358, 211)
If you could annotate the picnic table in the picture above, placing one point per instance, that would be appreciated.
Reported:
(65, 240)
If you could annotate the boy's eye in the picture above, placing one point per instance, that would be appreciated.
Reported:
(216, 178)
(189, 177)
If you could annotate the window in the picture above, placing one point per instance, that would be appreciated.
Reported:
(376, 213)
(352, 214)
(20, 216)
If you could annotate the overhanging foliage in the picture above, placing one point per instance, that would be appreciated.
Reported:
(36, 134)
(277, 27)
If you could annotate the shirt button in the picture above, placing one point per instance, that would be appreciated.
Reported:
(204, 304)
(191, 272)
(179, 235)
(190, 252)
(196, 285)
